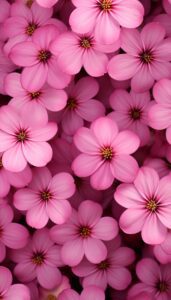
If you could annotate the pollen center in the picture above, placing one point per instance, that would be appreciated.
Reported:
(22, 135)
(51, 297)
(1, 164)
(31, 29)
(38, 258)
(146, 57)
(106, 5)
(46, 195)
(35, 95)
(135, 113)
(162, 286)
(104, 265)
(71, 103)
(85, 232)
(152, 205)
(85, 43)
(106, 153)
(44, 56)
(29, 3)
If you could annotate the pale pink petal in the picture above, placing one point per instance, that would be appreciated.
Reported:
(41, 14)
(20, 179)
(15, 236)
(9, 119)
(121, 62)
(122, 256)
(148, 271)
(39, 72)
(102, 178)
(25, 271)
(91, 110)
(124, 168)
(13, 159)
(131, 41)
(59, 211)
(44, 134)
(97, 278)
(84, 269)
(120, 100)
(54, 100)
(127, 196)
(63, 233)
(83, 20)
(92, 293)
(85, 141)
(126, 142)
(119, 278)
(25, 199)
(48, 277)
(92, 246)
(37, 154)
(145, 77)
(43, 36)
(5, 279)
(162, 50)
(19, 28)
(153, 231)
(41, 179)
(62, 186)
(106, 229)
(6, 215)
(159, 116)
(132, 220)
(129, 14)
(69, 294)
(160, 69)
(105, 130)
(18, 291)
(37, 216)
(4, 183)
(7, 141)
(146, 182)
(72, 252)
(57, 77)
(105, 22)
(85, 165)
(13, 85)
(53, 256)
(162, 92)
(71, 122)
(150, 40)
(164, 215)
(95, 63)
(82, 93)
(89, 213)
(46, 3)
(24, 54)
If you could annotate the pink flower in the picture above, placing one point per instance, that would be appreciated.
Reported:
(89, 293)
(155, 280)
(6, 66)
(131, 112)
(46, 294)
(148, 203)
(81, 105)
(159, 114)
(147, 57)
(39, 62)
(106, 153)
(77, 51)
(23, 139)
(47, 98)
(111, 271)
(83, 233)
(39, 259)
(45, 198)
(23, 23)
(12, 235)
(163, 251)
(9, 291)
(47, 3)
(104, 17)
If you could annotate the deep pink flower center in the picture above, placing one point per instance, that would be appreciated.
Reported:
(162, 286)
(51, 297)
(146, 57)
(46, 195)
(135, 113)
(34, 95)
(38, 258)
(85, 231)
(30, 29)
(72, 104)
(152, 205)
(105, 5)
(86, 42)
(107, 153)
(44, 56)
(103, 265)
(22, 135)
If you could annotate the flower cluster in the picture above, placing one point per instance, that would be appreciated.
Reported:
(85, 149)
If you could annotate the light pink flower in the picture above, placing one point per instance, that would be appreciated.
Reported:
(39, 62)
(39, 259)
(23, 23)
(6, 66)
(12, 235)
(89, 293)
(131, 112)
(23, 139)
(163, 251)
(147, 57)
(76, 51)
(106, 153)
(162, 166)
(104, 17)
(46, 294)
(148, 203)
(81, 105)
(9, 291)
(155, 280)
(45, 198)
(83, 233)
(47, 98)
(111, 271)
(159, 114)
